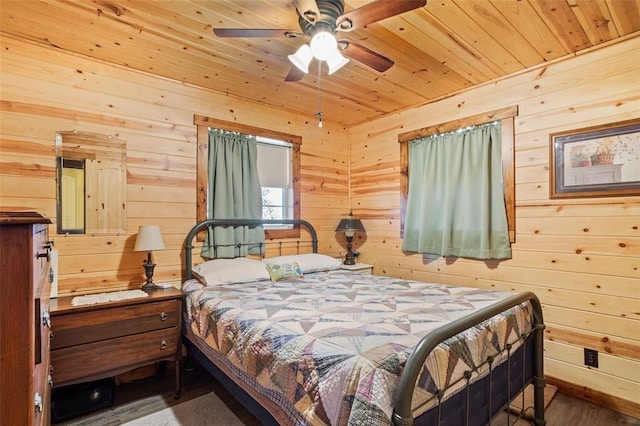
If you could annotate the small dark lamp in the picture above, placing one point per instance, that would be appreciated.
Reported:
(350, 226)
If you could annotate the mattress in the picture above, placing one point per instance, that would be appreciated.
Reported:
(330, 348)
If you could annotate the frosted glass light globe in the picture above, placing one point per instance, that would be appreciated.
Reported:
(323, 45)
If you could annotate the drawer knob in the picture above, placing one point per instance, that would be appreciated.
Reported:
(163, 345)
(38, 402)
(50, 369)
(164, 316)
(50, 380)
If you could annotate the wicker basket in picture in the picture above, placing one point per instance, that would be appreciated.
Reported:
(601, 159)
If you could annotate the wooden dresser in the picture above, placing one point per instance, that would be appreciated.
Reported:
(95, 341)
(25, 286)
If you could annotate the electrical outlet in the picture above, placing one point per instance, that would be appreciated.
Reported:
(591, 357)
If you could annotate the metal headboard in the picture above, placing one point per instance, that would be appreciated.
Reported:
(212, 223)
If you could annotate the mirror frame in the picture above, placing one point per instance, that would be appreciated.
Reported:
(93, 149)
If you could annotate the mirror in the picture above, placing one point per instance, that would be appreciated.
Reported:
(91, 177)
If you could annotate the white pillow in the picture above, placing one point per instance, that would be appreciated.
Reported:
(229, 271)
(309, 262)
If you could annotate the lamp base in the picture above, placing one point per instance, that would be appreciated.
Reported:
(148, 270)
(349, 259)
(149, 286)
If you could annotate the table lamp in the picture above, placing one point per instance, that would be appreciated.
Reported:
(350, 226)
(149, 239)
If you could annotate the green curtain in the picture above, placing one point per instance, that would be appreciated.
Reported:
(234, 193)
(455, 202)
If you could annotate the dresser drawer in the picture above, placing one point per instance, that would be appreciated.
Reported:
(110, 356)
(80, 328)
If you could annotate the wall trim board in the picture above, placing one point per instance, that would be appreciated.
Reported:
(609, 401)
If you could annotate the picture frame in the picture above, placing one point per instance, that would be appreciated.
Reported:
(598, 161)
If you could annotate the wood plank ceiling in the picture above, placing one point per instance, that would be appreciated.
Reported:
(439, 49)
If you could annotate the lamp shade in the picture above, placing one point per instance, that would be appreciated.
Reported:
(149, 238)
(302, 58)
(336, 61)
(350, 225)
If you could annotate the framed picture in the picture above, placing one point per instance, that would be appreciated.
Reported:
(599, 161)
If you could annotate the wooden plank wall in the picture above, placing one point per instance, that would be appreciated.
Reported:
(581, 257)
(44, 91)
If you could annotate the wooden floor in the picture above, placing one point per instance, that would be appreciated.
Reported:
(142, 397)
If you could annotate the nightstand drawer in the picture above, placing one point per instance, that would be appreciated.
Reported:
(95, 359)
(79, 328)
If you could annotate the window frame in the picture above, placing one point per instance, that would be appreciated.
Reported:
(506, 116)
(203, 124)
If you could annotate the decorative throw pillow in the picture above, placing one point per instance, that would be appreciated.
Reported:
(284, 271)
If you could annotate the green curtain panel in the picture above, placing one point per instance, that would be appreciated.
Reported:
(455, 201)
(234, 193)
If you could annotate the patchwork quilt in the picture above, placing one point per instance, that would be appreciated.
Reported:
(329, 349)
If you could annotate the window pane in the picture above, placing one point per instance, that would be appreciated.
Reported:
(274, 165)
(273, 203)
(272, 196)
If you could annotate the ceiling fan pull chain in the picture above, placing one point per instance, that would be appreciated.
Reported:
(319, 113)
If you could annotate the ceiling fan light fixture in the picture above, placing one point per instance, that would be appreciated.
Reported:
(323, 45)
(302, 58)
(336, 61)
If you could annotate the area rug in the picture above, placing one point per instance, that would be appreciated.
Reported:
(207, 410)
(516, 405)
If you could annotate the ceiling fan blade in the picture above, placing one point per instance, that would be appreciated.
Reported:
(366, 56)
(295, 74)
(374, 12)
(254, 32)
(308, 9)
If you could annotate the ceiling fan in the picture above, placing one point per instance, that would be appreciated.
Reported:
(321, 20)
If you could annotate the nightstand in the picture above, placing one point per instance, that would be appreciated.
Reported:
(91, 342)
(358, 267)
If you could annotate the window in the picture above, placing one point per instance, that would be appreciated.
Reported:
(505, 116)
(274, 169)
(280, 184)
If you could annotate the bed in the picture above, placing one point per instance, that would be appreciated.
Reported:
(309, 343)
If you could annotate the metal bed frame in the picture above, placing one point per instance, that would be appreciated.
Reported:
(532, 347)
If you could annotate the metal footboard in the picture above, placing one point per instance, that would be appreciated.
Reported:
(402, 414)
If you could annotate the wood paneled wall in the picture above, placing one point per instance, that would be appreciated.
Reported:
(44, 91)
(581, 257)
